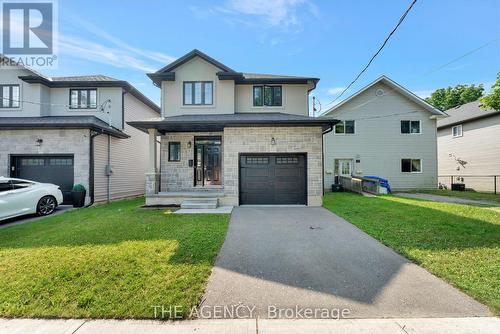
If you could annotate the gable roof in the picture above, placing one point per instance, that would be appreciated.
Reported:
(465, 113)
(226, 73)
(396, 87)
(190, 55)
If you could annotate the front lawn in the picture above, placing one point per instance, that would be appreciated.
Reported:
(459, 243)
(464, 194)
(109, 261)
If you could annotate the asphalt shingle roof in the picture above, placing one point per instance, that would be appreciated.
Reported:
(464, 113)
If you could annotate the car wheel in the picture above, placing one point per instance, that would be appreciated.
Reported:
(46, 205)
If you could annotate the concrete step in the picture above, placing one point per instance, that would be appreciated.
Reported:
(200, 203)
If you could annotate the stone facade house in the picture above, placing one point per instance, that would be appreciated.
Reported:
(73, 130)
(386, 131)
(233, 138)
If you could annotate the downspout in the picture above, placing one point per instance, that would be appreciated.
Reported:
(108, 171)
(93, 134)
(323, 155)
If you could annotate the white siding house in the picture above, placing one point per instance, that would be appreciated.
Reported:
(385, 131)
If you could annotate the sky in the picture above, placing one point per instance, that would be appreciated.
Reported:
(440, 43)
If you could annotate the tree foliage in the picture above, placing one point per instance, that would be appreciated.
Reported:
(446, 98)
(492, 100)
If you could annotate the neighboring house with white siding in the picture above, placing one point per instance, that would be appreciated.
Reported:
(386, 131)
(73, 130)
(470, 134)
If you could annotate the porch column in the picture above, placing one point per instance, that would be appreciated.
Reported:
(152, 184)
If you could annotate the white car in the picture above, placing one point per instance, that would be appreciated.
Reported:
(21, 197)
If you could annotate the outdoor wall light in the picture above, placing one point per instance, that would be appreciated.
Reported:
(39, 142)
(189, 144)
(273, 141)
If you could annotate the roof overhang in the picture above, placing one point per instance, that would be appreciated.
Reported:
(34, 123)
(435, 113)
(171, 125)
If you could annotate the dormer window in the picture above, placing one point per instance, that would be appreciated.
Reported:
(198, 93)
(83, 98)
(9, 96)
(269, 96)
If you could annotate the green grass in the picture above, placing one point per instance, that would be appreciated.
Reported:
(109, 261)
(459, 243)
(464, 194)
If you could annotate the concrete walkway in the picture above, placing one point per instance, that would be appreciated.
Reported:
(275, 259)
(446, 199)
(253, 326)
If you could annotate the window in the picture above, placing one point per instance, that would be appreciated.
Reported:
(17, 184)
(411, 165)
(410, 127)
(174, 151)
(344, 127)
(287, 160)
(457, 131)
(9, 96)
(269, 96)
(5, 186)
(198, 93)
(257, 160)
(83, 98)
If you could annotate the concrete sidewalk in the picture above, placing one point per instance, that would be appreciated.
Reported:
(484, 325)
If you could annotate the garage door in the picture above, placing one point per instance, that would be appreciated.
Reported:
(273, 179)
(46, 168)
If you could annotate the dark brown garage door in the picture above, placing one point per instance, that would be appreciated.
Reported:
(273, 179)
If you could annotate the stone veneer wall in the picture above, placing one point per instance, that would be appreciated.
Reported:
(178, 176)
(54, 142)
(288, 140)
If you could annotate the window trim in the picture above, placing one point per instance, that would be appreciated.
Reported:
(193, 104)
(170, 143)
(344, 133)
(410, 133)
(263, 92)
(411, 160)
(11, 87)
(79, 107)
(458, 126)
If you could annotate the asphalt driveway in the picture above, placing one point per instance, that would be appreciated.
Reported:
(281, 258)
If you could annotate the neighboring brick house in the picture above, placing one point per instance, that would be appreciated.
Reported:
(69, 130)
(236, 138)
(470, 134)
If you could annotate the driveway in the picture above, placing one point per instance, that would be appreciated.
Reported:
(34, 217)
(278, 258)
(447, 199)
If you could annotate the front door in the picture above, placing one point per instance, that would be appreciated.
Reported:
(344, 167)
(208, 161)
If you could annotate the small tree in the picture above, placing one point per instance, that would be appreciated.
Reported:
(451, 97)
(492, 100)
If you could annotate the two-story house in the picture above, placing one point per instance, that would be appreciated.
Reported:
(472, 135)
(386, 131)
(73, 130)
(236, 138)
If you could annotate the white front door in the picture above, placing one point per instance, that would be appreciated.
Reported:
(344, 167)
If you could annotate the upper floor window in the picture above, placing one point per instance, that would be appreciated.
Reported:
(344, 127)
(198, 92)
(83, 98)
(9, 96)
(410, 127)
(269, 96)
(457, 131)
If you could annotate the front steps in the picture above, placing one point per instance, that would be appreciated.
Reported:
(200, 203)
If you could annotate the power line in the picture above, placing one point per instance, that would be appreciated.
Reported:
(401, 19)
